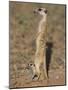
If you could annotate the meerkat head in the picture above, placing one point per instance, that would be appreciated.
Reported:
(41, 11)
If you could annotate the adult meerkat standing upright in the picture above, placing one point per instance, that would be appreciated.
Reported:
(40, 59)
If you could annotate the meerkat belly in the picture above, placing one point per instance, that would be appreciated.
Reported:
(40, 42)
(39, 58)
(40, 52)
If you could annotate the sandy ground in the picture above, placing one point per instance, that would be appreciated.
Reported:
(56, 78)
(23, 28)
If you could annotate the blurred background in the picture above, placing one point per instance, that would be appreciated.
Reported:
(22, 34)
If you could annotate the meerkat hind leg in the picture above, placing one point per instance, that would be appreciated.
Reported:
(45, 70)
(42, 75)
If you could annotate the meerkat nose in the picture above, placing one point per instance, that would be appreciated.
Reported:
(46, 11)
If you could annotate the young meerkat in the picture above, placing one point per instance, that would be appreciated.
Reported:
(39, 67)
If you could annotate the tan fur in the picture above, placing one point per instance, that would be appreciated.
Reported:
(40, 58)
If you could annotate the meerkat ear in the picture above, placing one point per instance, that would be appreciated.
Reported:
(45, 11)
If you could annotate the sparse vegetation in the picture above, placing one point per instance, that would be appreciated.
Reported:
(23, 29)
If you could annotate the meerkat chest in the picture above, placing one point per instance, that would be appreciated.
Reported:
(41, 27)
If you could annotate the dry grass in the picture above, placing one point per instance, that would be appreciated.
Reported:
(23, 29)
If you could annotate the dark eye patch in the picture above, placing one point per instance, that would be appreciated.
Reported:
(39, 9)
(45, 11)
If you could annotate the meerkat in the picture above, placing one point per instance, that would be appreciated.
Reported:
(39, 67)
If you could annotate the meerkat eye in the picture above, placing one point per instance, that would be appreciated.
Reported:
(30, 64)
(39, 9)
